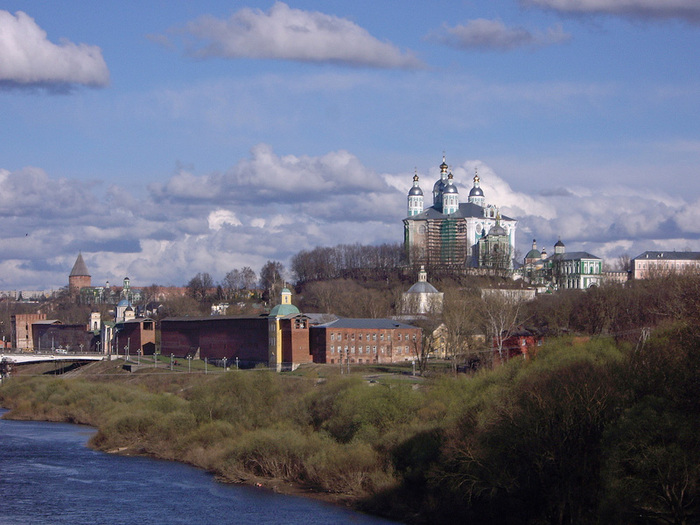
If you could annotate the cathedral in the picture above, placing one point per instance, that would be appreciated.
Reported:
(466, 234)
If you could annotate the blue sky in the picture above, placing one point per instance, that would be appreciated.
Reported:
(167, 138)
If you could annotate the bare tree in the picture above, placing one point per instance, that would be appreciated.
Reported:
(501, 314)
(198, 287)
(271, 279)
(462, 324)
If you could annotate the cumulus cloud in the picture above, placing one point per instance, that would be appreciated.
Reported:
(688, 10)
(293, 34)
(267, 178)
(483, 34)
(28, 58)
(218, 218)
(274, 206)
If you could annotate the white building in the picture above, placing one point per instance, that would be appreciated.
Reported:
(449, 231)
(654, 264)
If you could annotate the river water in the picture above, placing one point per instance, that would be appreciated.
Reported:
(49, 476)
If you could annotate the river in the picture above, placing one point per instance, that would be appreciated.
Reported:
(49, 476)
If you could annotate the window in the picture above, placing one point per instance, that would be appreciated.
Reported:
(332, 337)
(374, 337)
(332, 349)
(399, 337)
(359, 336)
(374, 350)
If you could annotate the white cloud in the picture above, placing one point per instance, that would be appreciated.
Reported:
(494, 34)
(688, 10)
(28, 58)
(293, 34)
(267, 178)
(218, 218)
(167, 238)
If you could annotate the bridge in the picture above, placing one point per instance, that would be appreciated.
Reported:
(24, 358)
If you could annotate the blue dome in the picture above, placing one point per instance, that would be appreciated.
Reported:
(476, 192)
(415, 190)
(123, 302)
(451, 188)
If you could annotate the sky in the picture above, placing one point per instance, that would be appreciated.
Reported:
(165, 138)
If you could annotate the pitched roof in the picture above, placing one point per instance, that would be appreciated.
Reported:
(79, 268)
(366, 323)
(672, 256)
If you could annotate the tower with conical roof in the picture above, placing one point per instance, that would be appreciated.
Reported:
(79, 276)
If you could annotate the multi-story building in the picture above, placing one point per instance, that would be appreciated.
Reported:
(655, 264)
(22, 335)
(579, 270)
(361, 341)
(450, 232)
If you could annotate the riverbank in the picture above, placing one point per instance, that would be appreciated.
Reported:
(160, 414)
(50, 476)
(586, 433)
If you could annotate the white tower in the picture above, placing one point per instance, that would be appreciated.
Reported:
(476, 195)
(440, 184)
(415, 198)
(450, 197)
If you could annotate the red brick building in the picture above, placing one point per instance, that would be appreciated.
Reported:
(519, 343)
(139, 335)
(22, 336)
(73, 338)
(217, 337)
(296, 347)
(364, 341)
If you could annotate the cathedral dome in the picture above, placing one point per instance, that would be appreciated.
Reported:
(415, 189)
(450, 187)
(533, 254)
(476, 192)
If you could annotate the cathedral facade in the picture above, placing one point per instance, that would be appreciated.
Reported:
(465, 234)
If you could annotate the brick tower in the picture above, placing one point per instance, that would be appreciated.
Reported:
(79, 276)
